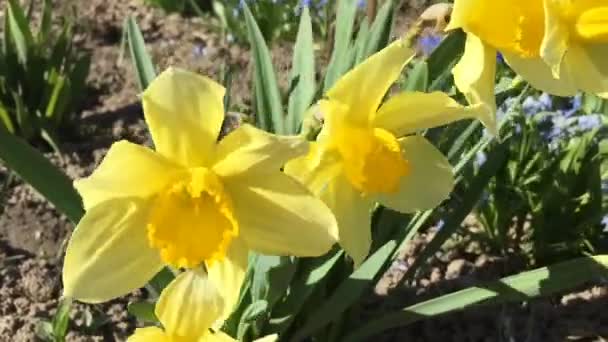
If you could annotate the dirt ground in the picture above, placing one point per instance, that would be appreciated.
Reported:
(33, 234)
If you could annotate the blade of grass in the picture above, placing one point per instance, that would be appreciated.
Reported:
(43, 176)
(303, 69)
(20, 32)
(536, 283)
(345, 22)
(381, 28)
(144, 67)
(267, 95)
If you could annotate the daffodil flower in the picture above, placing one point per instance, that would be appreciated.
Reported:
(189, 320)
(367, 153)
(558, 46)
(194, 203)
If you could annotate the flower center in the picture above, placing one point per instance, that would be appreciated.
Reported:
(373, 162)
(192, 221)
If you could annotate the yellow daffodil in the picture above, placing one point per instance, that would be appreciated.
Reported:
(194, 203)
(558, 46)
(189, 320)
(367, 153)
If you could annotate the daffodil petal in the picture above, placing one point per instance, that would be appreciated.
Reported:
(410, 112)
(189, 305)
(248, 149)
(363, 88)
(184, 112)
(277, 215)
(149, 334)
(430, 180)
(353, 213)
(474, 76)
(108, 254)
(588, 67)
(315, 169)
(128, 170)
(555, 42)
(536, 72)
(228, 274)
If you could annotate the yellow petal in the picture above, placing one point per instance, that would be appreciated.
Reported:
(108, 254)
(363, 88)
(251, 149)
(592, 24)
(128, 170)
(353, 213)
(149, 334)
(555, 41)
(189, 305)
(314, 170)
(429, 182)
(536, 72)
(474, 76)
(184, 112)
(408, 113)
(277, 215)
(228, 273)
(588, 67)
(515, 26)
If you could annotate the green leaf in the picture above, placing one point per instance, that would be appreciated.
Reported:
(156, 285)
(269, 114)
(347, 293)
(417, 78)
(6, 120)
(302, 72)
(380, 33)
(361, 41)
(311, 272)
(340, 58)
(143, 311)
(271, 278)
(528, 285)
(61, 320)
(45, 21)
(45, 177)
(443, 58)
(144, 67)
(20, 33)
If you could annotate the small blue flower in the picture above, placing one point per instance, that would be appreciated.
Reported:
(576, 103)
(440, 224)
(199, 50)
(589, 122)
(361, 3)
(480, 158)
(305, 3)
(546, 101)
(499, 58)
(428, 43)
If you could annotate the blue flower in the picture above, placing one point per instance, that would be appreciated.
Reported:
(428, 43)
(361, 3)
(480, 158)
(576, 103)
(532, 105)
(440, 224)
(305, 3)
(499, 58)
(589, 122)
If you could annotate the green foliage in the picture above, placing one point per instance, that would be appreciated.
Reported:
(548, 198)
(42, 76)
(275, 18)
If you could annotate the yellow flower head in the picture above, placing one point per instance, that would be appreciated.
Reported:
(367, 152)
(558, 46)
(194, 203)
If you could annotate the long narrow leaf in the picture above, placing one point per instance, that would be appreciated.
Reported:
(339, 63)
(37, 171)
(346, 293)
(302, 72)
(528, 285)
(380, 32)
(141, 59)
(267, 95)
(20, 32)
